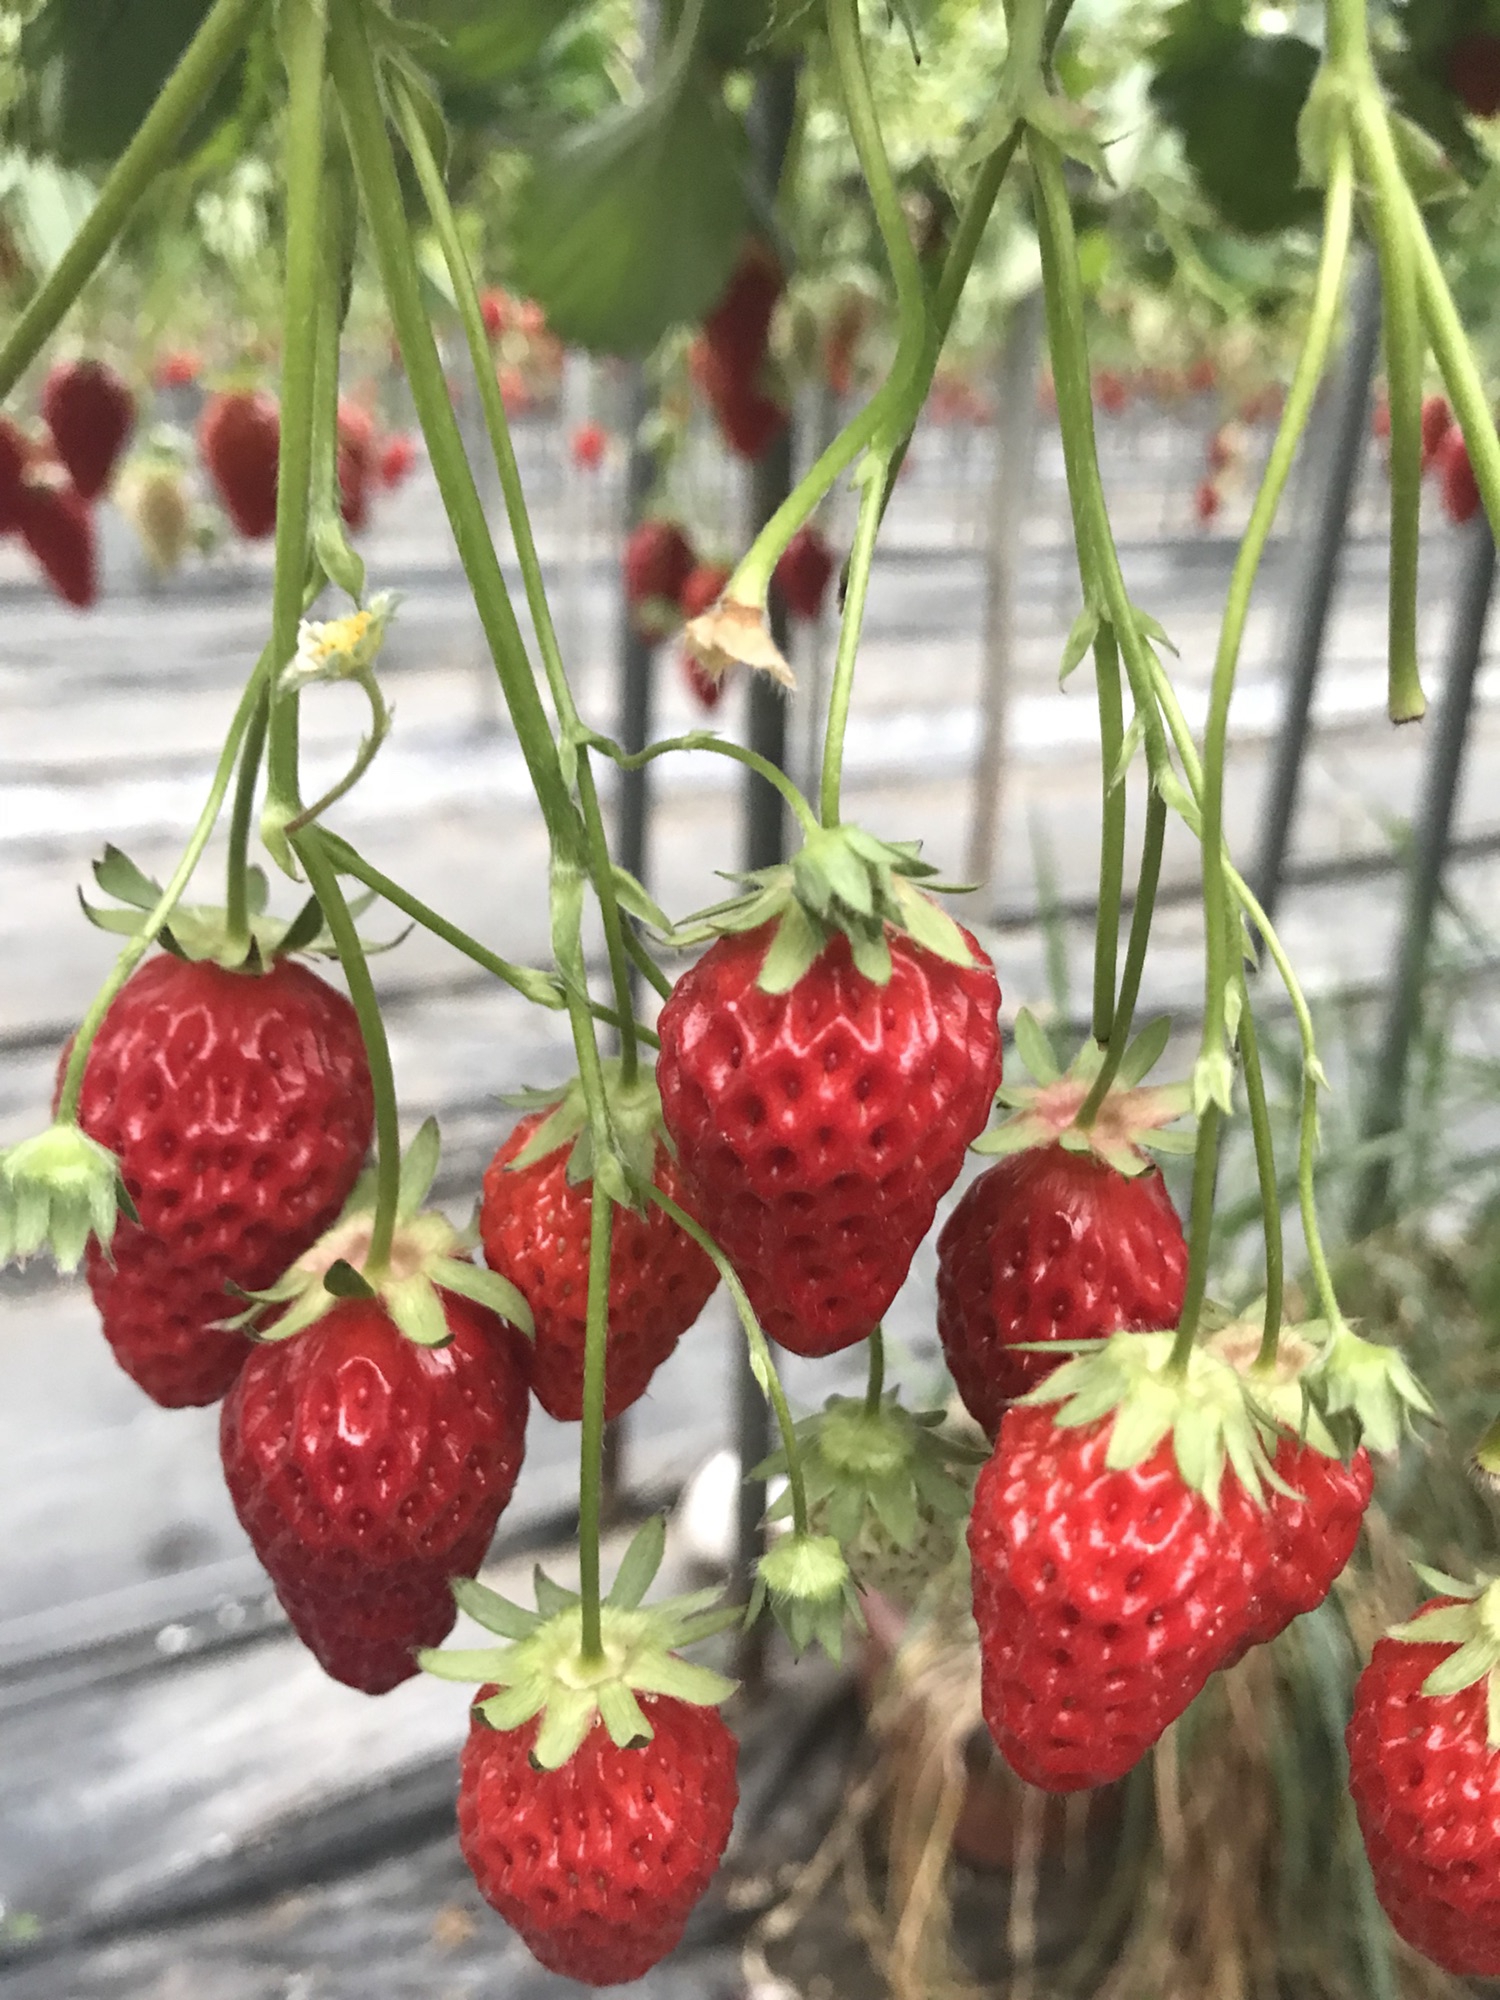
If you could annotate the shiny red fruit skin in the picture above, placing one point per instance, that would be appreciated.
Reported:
(1426, 1788)
(738, 330)
(90, 413)
(818, 1128)
(239, 437)
(57, 525)
(535, 1229)
(356, 461)
(1311, 1537)
(701, 684)
(1460, 489)
(658, 562)
(1437, 421)
(804, 573)
(398, 454)
(588, 445)
(367, 1470)
(15, 451)
(598, 1865)
(1051, 1245)
(1104, 1599)
(239, 1105)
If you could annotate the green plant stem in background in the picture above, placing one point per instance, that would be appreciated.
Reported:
(1200, 1225)
(157, 918)
(719, 746)
(322, 879)
(591, 1442)
(236, 898)
(760, 1354)
(202, 66)
(1405, 354)
(875, 1381)
(1460, 371)
(304, 40)
(1270, 1187)
(1135, 956)
(1112, 832)
(861, 558)
(466, 293)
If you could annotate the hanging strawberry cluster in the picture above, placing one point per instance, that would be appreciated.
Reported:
(1163, 1487)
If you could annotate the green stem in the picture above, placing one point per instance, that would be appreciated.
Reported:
(591, 1443)
(1405, 354)
(204, 62)
(875, 1382)
(720, 747)
(761, 1363)
(1265, 1171)
(364, 757)
(647, 966)
(1461, 376)
(304, 38)
(322, 878)
(157, 918)
(1135, 957)
(236, 899)
(1112, 834)
(466, 294)
(861, 557)
(1200, 1226)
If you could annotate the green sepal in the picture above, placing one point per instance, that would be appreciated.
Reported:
(57, 1190)
(1472, 1628)
(495, 1613)
(1128, 1125)
(841, 881)
(1370, 1387)
(636, 1129)
(807, 1582)
(1082, 633)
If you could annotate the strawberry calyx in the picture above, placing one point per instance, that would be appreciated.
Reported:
(735, 632)
(806, 1579)
(1472, 1627)
(1208, 1409)
(1280, 1389)
(841, 880)
(1129, 1120)
(200, 931)
(545, 1671)
(1364, 1391)
(428, 1256)
(57, 1189)
(892, 1469)
(635, 1120)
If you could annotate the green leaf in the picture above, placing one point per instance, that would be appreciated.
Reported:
(633, 225)
(1081, 636)
(486, 45)
(1235, 99)
(1034, 1048)
(639, 1564)
(636, 900)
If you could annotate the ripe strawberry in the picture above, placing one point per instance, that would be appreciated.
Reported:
(1207, 501)
(598, 1865)
(1473, 72)
(495, 311)
(1380, 422)
(356, 461)
(15, 453)
(1425, 1777)
(1313, 1534)
(804, 572)
(368, 1469)
(531, 319)
(588, 445)
(731, 362)
(1437, 421)
(1111, 392)
(239, 1106)
(1051, 1245)
(595, 1798)
(657, 563)
(239, 436)
(398, 454)
(515, 390)
(701, 590)
(57, 526)
(820, 1120)
(178, 368)
(534, 1224)
(90, 413)
(1460, 489)
(1202, 376)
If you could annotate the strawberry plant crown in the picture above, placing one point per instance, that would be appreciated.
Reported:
(544, 1670)
(842, 881)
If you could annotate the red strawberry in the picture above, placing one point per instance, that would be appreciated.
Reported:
(731, 361)
(239, 436)
(1313, 1534)
(531, 319)
(356, 461)
(179, 368)
(534, 1223)
(57, 526)
(588, 445)
(1104, 1599)
(1051, 1245)
(1473, 72)
(658, 561)
(515, 390)
(1207, 501)
(701, 590)
(90, 413)
(398, 454)
(598, 1865)
(367, 1469)
(1460, 489)
(15, 453)
(1380, 422)
(1425, 1777)
(239, 1106)
(750, 420)
(1202, 376)
(495, 311)
(1437, 421)
(804, 572)
(1111, 392)
(819, 1122)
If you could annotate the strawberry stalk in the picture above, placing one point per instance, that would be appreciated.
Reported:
(203, 63)
(1123, 1017)
(1111, 839)
(875, 1382)
(591, 1441)
(237, 873)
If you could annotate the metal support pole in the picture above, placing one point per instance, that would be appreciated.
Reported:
(1337, 443)
(1010, 494)
(764, 844)
(1429, 852)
